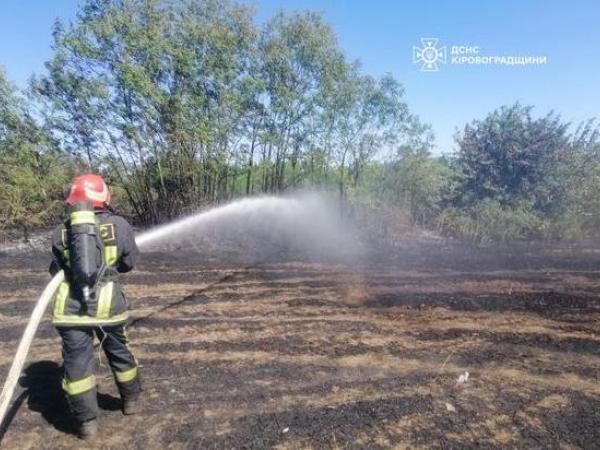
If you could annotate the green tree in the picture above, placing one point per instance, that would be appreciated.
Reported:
(153, 91)
(416, 181)
(508, 156)
(521, 177)
(33, 172)
(298, 57)
(189, 102)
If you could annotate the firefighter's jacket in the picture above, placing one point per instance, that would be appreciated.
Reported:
(107, 304)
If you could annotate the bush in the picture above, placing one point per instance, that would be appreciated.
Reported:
(33, 188)
(488, 221)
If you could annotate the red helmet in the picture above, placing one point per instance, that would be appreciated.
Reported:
(89, 188)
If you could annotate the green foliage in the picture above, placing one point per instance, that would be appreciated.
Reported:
(507, 156)
(190, 102)
(576, 210)
(489, 221)
(523, 177)
(32, 172)
(416, 181)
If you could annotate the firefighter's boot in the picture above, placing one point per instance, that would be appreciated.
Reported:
(132, 405)
(88, 430)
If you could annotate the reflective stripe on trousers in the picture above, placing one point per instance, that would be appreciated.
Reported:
(78, 387)
(126, 376)
(80, 364)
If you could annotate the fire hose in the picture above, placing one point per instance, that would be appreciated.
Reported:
(23, 349)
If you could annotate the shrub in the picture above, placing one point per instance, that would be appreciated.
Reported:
(489, 221)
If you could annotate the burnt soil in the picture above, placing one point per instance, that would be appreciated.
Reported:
(292, 353)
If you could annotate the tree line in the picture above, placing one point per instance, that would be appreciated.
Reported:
(186, 103)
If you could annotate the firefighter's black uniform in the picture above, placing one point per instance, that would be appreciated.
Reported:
(104, 315)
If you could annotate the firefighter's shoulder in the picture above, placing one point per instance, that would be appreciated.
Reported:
(119, 221)
(123, 228)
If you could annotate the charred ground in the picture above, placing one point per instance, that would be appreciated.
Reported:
(284, 352)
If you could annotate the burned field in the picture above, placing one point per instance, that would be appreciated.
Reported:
(300, 354)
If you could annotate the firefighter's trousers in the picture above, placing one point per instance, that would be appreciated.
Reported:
(79, 382)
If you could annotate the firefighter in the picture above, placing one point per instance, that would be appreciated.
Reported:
(92, 246)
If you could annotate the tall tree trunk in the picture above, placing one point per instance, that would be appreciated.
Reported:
(250, 163)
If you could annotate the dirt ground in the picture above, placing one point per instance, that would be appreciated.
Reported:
(301, 354)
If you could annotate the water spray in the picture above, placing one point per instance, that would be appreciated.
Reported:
(245, 208)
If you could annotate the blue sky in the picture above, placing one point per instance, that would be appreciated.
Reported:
(381, 35)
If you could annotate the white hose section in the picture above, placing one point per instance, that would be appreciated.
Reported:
(34, 321)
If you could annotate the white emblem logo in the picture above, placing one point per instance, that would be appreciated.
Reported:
(429, 55)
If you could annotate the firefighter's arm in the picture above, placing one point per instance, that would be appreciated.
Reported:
(58, 262)
(129, 249)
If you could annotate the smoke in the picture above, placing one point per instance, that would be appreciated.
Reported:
(301, 226)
